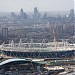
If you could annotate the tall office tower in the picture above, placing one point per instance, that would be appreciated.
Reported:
(5, 33)
(69, 29)
(25, 16)
(45, 16)
(59, 31)
(71, 15)
(12, 14)
(36, 14)
(22, 14)
(35, 10)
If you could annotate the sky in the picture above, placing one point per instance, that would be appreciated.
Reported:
(42, 5)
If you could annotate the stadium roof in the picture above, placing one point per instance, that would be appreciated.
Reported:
(14, 61)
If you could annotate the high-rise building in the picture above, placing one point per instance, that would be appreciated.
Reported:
(25, 16)
(12, 14)
(5, 33)
(69, 29)
(22, 14)
(45, 15)
(72, 30)
(72, 12)
(71, 15)
(59, 31)
(36, 14)
(35, 10)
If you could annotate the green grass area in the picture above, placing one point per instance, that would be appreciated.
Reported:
(50, 62)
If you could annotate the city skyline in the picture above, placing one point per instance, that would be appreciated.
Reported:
(42, 5)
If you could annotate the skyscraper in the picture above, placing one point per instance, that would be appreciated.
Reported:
(35, 10)
(12, 14)
(59, 31)
(45, 15)
(5, 33)
(71, 15)
(22, 14)
(36, 14)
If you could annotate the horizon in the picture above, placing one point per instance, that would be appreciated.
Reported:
(42, 5)
(41, 12)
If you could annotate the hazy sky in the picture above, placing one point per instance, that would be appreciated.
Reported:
(43, 5)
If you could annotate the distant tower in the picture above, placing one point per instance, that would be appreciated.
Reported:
(5, 33)
(59, 31)
(72, 12)
(12, 14)
(54, 38)
(22, 14)
(45, 15)
(25, 16)
(35, 10)
(71, 15)
(36, 14)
